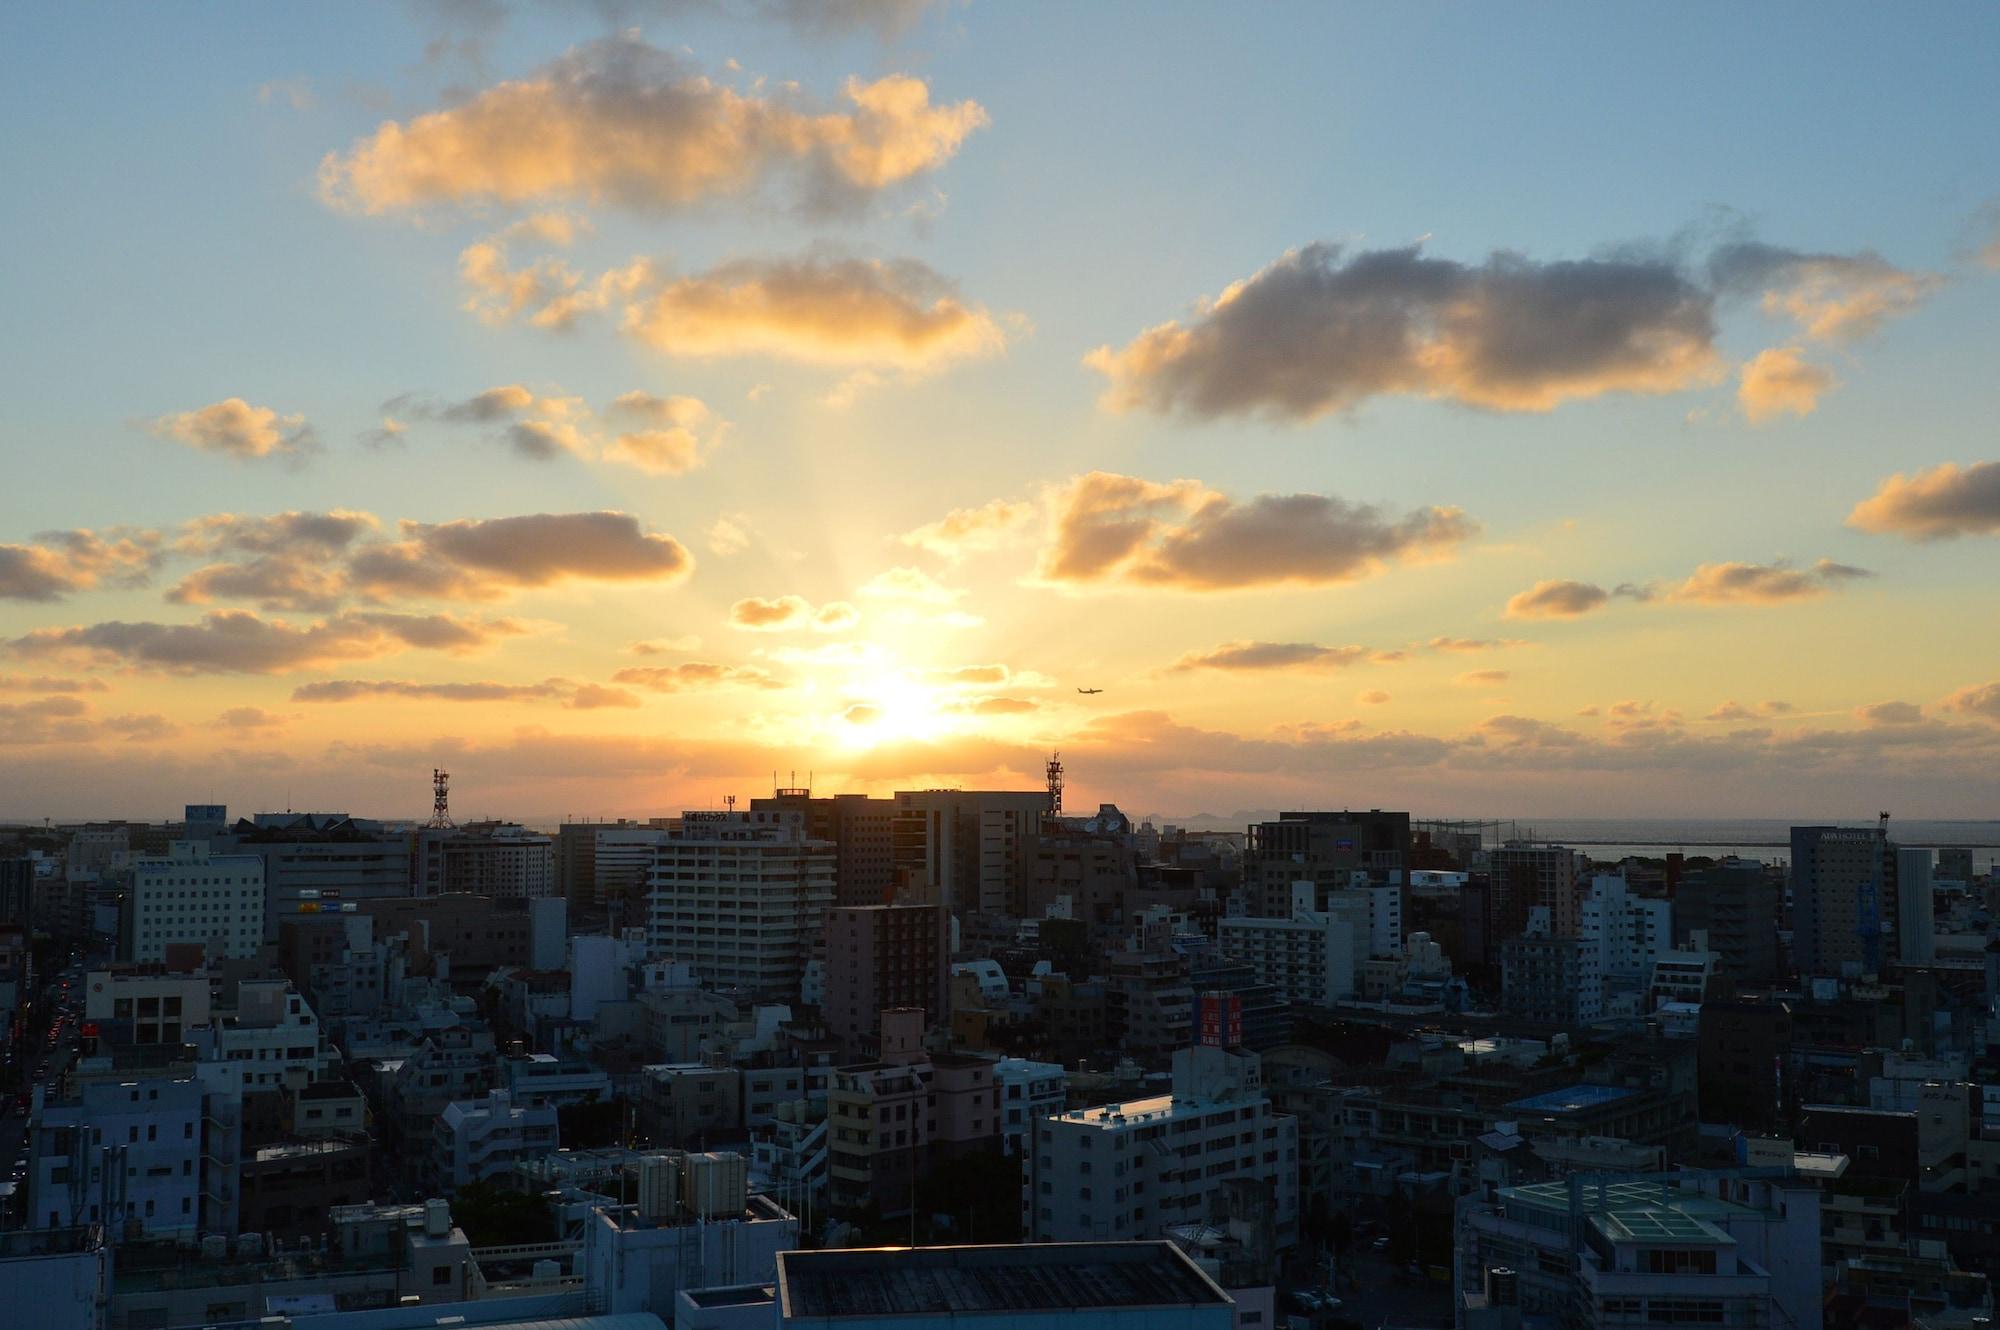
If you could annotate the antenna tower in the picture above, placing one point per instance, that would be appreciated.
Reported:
(440, 802)
(1055, 775)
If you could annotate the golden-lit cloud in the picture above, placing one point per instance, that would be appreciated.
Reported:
(1760, 583)
(1469, 645)
(624, 123)
(1780, 381)
(898, 314)
(1113, 529)
(1373, 697)
(237, 641)
(672, 435)
(1554, 599)
(250, 718)
(49, 684)
(320, 533)
(782, 614)
(60, 562)
(909, 584)
(235, 428)
(1946, 501)
(1482, 678)
(1734, 711)
(1830, 297)
(693, 675)
(1981, 700)
(1275, 656)
(965, 531)
(1319, 331)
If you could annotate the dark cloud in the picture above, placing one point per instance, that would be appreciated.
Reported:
(358, 690)
(59, 562)
(1890, 713)
(483, 559)
(237, 641)
(1981, 700)
(1319, 331)
(1759, 583)
(1939, 504)
(44, 683)
(1113, 528)
(1832, 297)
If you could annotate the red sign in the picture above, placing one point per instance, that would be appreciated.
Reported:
(1221, 1020)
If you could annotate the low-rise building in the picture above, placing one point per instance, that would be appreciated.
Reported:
(476, 1140)
(1132, 1170)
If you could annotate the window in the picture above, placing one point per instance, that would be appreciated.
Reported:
(441, 1275)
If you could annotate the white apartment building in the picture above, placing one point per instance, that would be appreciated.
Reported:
(190, 896)
(1313, 957)
(475, 1140)
(271, 1042)
(1027, 1092)
(739, 897)
(146, 1008)
(1127, 1172)
(1384, 905)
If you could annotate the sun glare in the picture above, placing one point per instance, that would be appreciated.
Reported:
(890, 707)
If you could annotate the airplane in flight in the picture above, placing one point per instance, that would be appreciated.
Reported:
(1090, 692)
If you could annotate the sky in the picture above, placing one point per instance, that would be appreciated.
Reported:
(1574, 411)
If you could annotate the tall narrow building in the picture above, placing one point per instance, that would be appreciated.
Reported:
(1327, 849)
(1832, 871)
(861, 832)
(740, 897)
(971, 851)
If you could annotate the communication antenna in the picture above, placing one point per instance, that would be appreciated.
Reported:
(1055, 776)
(730, 801)
(440, 802)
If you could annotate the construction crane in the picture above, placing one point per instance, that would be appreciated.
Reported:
(1868, 903)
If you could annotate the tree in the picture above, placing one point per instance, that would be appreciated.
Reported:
(493, 1217)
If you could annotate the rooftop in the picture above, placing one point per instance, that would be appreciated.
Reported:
(1571, 1099)
(867, 1285)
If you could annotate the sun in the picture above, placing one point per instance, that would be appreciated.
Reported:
(887, 708)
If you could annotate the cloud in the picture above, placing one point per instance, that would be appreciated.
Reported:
(729, 535)
(1273, 656)
(296, 93)
(358, 690)
(234, 428)
(1320, 331)
(1831, 297)
(1374, 697)
(593, 696)
(1890, 713)
(483, 559)
(665, 646)
(909, 584)
(60, 562)
(1758, 583)
(1736, 711)
(967, 530)
(537, 427)
(694, 675)
(272, 581)
(673, 434)
(1557, 600)
(44, 683)
(860, 713)
(1465, 645)
(758, 614)
(971, 676)
(620, 122)
(1113, 528)
(1981, 700)
(829, 311)
(237, 641)
(1939, 504)
(995, 706)
(43, 720)
(318, 533)
(1780, 381)
(249, 718)
(1482, 678)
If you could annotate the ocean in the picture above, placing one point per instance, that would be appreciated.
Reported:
(1769, 839)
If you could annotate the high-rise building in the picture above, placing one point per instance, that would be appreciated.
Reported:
(1325, 848)
(740, 897)
(487, 859)
(1916, 923)
(1834, 870)
(311, 859)
(1525, 876)
(1313, 957)
(576, 846)
(191, 896)
(1736, 903)
(880, 957)
(861, 831)
(1629, 932)
(968, 850)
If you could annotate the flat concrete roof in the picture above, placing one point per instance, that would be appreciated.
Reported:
(867, 1285)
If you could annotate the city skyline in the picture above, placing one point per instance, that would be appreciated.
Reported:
(617, 404)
